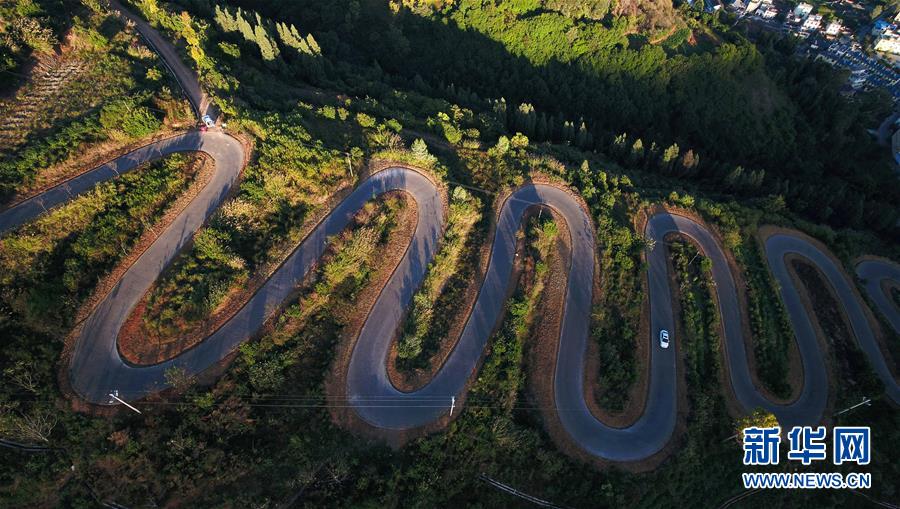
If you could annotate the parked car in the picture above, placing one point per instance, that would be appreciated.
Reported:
(664, 338)
(208, 121)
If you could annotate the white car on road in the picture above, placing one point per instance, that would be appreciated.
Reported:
(664, 338)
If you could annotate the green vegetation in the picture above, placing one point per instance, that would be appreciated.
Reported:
(346, 267)
(758, 418)
(125, 118)
(105, 86)
(701, 342)
(25, 32)
(439, 298)
(198, 285)
(501, 378)
(51, 265)
(761, 120)
(278, 193)
(745, 136)
(769, 324)
(857, 379)
(28, 162)
(618, 310)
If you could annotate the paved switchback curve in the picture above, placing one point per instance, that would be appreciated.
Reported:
(96, 368)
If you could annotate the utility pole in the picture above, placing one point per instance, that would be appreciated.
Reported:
(114, 395)
(865, 401)
(694, 258)
(452, 404)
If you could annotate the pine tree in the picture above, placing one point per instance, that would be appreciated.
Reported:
(267, 47)
(637, 151)
(756, 178)
(295, 34)
(734, 179)
(689, 161)
(420, 149)
(568, 131)
(284, 35)
(500, 113)
(669, 156)
(581, 139)
(225, 20)
(420, 85)
(620, 145)
(244, 27)
(303, 45)
(313, 45)
(526, 118)
(542, 130)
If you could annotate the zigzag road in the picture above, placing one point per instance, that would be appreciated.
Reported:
(97, 368)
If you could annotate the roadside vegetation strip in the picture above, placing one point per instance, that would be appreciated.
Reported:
(881, 280)
(346, 266)
(102, 90)
(778, 247)
(281, 197)
(617, 315)
(701, 341)
(769, 323)
(49, 266)
(427, 324)
(97, 369)
(849, 364)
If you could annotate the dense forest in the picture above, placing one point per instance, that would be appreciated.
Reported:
(632, 104)
(756, 119)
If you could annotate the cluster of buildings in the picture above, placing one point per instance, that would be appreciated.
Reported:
(886, 36)
(763, 9)
(826, 38)
(865, 71)
(832, 42)
(801, 20)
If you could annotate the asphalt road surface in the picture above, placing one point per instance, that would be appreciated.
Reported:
(873, 273)
(780, 245)
(97, 368)
(186, 77)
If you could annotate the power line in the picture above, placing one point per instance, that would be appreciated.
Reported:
(512, 491)
(733, 500)
(302, 402)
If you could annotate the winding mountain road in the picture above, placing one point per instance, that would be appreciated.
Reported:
(96, 368)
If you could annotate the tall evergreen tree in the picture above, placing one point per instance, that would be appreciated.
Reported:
(225, 20)
(268, 48)
(313, 45)
(244, 27)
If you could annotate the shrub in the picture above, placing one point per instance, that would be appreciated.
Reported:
(365, 120)
(126, 119)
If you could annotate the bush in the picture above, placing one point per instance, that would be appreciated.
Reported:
(23, 168)
(427, 319)
(126, 119)
(365, 120)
